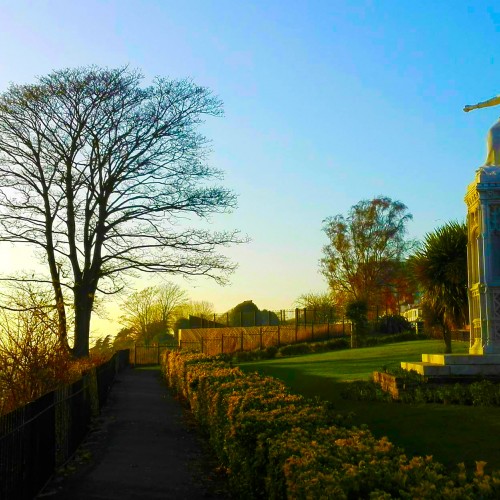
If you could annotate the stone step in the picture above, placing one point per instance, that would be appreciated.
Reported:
(436, 370)
(461, 359)
(426, 369)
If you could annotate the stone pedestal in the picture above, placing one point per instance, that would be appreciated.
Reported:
(483, 268)
(483, 260)
(450, 365)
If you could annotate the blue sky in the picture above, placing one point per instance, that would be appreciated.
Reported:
(326, 103)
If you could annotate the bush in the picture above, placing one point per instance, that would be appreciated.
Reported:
(32, 359)
(275, 444)
(485, 393)
(416, 390)
(393, 324)
(374, 340)
(242, 356)
(321, 346)
(288, 350)
(364, 391)
(270, 352)
(333, 345)
(295, 349)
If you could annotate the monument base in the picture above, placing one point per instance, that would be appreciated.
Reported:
(489, 349)
(443, 365)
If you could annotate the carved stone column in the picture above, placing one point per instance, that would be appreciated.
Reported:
(483, 260)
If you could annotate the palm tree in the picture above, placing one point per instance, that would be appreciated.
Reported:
(440, 268)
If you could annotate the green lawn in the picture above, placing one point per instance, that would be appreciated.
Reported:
(450, 433)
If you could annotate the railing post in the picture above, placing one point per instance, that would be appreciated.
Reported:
(201, 339)
(312, 324)
(296, 323)
(261, 338)
(135, 355)
(158, 353)
(222, 344)
(241, 340)
(279, 339)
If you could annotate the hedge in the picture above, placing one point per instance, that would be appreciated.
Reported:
(278, 445)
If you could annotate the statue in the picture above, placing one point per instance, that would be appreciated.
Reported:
(493, 138)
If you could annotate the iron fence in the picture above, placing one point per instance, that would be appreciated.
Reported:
(149, 354)
(40, 436)
(282, 317)
(214, 341)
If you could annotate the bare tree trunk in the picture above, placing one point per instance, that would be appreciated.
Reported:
(90, 161)
(61, 317)
(82, 329)
(59, 300)
(84, 299)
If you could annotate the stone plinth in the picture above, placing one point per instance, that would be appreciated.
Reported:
(483, 271)
(483, 260)
(443, 365)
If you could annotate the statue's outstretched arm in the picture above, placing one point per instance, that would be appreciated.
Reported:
(490, 102)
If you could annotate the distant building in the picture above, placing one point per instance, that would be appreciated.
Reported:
(414, 316)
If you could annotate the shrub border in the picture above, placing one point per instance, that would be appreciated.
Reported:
(275, 444)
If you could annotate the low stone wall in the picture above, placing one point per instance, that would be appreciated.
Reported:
(392, 384)
(395, 385)
(389, 383)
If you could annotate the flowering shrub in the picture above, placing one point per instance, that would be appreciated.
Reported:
(415, 389)
(279, 445)
(373, 340)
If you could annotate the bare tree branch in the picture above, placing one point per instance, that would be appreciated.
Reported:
(99, 173)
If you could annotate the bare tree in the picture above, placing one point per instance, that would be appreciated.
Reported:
(170, 300)
(141, 311)
(200, 308)
(97, 173)
(322, 305)
(152, 307)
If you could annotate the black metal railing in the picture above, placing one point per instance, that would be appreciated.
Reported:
(282, 317)
(40, 436)
(149, 354)
(214, 341)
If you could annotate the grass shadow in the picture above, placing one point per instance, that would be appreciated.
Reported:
(451, 433)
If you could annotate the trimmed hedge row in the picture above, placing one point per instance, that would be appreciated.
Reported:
(279, 445)
(288, 350)
(316, 347)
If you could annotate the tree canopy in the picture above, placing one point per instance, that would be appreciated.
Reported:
(150, 314)
(321, 304)
(103, 176)
(362, 258)
(247, 313)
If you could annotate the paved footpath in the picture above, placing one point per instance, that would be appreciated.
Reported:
(143, 447)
